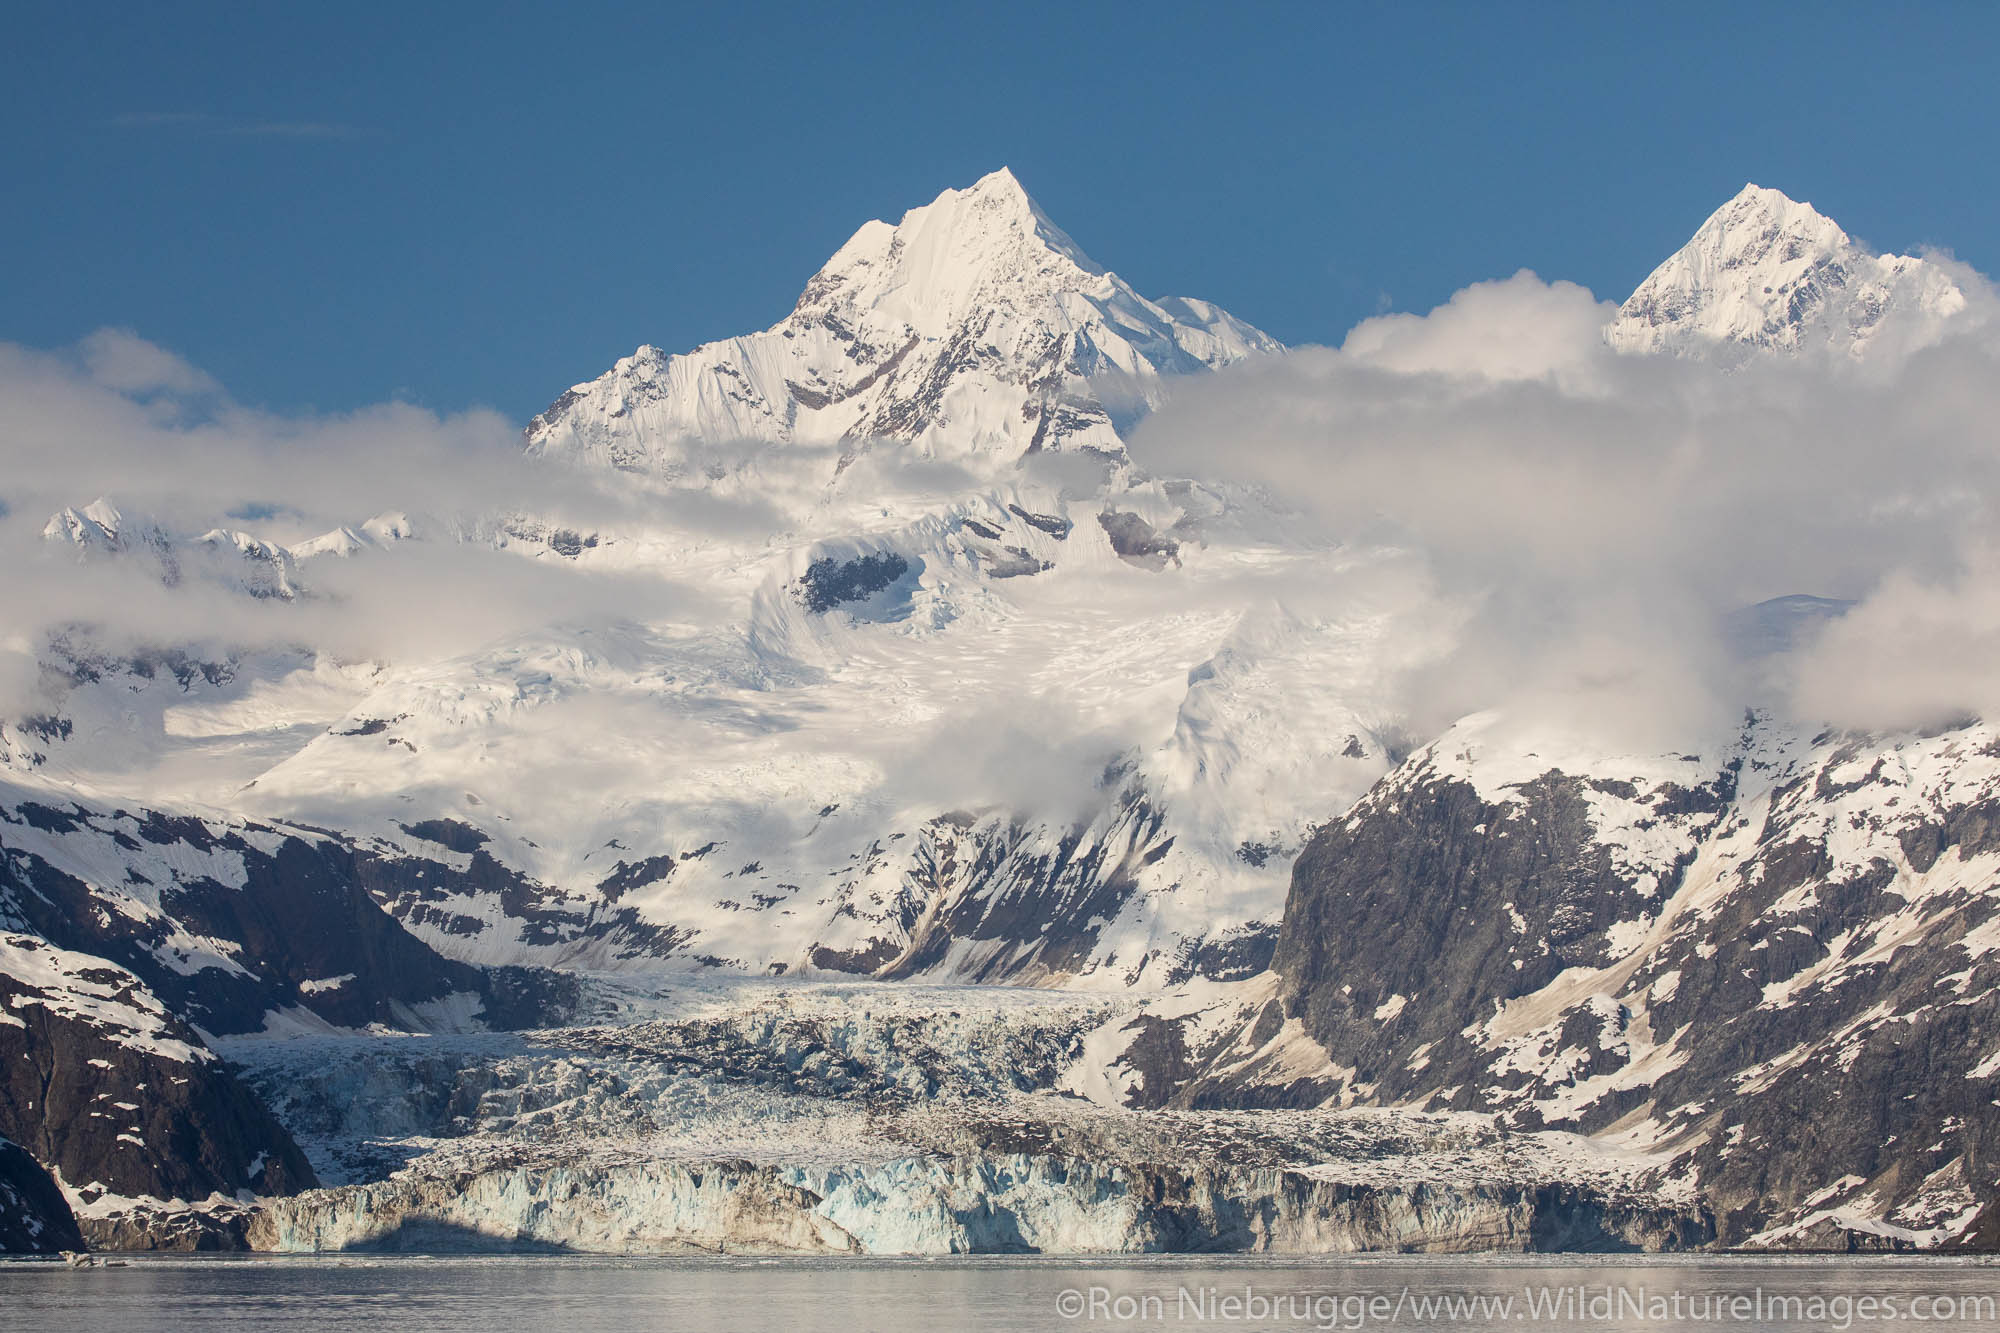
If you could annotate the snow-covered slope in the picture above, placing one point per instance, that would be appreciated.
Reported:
(974, 326)
(964, 736)
(1768, 273)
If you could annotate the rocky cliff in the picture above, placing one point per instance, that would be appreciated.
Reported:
(1774, 964)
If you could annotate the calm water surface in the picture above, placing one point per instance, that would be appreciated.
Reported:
(589, 1295)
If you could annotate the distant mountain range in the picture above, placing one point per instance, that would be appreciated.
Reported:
(977, 700)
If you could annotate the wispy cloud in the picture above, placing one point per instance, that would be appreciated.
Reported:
(206, 123)
(124, 362)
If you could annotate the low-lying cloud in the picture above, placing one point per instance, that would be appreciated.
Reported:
(120, 418)
(1586, 520)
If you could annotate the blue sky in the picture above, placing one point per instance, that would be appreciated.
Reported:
(327, 206)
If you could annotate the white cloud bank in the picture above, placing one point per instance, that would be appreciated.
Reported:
(1601, 513)
(1587, 519)
(121, 418)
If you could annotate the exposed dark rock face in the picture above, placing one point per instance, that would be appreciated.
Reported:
(1414, 916)
(101, 1083)
(1030, 905)
(1136, 541)
(431, 896)
(1055, 525)
(565, 542)
(104, 1075)
(1012, 562)
(828, 582)
(570, 544)
(1234, 955)
(297, 930)
(451, 834)
(629, 875)
(34, 1216)
(1777, 975)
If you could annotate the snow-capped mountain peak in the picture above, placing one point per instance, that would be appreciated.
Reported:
(988, 240)
(99, 525)
(1768, 272)
(973, 327)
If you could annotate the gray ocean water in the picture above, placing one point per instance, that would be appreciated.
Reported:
(548, 1294)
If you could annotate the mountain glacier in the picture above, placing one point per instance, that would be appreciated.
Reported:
(960, 758)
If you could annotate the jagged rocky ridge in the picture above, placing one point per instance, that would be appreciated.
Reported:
(1771, 966)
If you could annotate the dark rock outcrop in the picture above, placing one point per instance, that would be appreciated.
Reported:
(103, 1085)
(828, 582)
(297, 928)
(1413, 900)
(108, 987)
(34, 1216)
(1031, 904)
(1136, 541)
(1786, 987)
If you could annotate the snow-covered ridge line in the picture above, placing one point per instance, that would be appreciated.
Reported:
(259, 566)
(973, 327)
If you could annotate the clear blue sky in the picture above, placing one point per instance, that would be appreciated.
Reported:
(329, 205)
